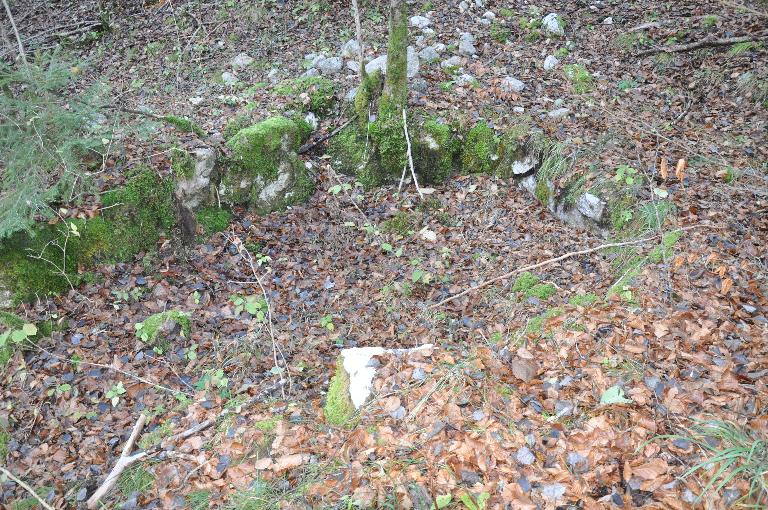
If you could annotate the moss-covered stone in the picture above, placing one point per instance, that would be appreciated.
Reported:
(434, 150)
(213, 219)
(235, 125)
(182, 163)
(480, 150)
(339, 409)
(347, 151)
(154, 329)
(265, 172)
(309, 93)
(514, 154)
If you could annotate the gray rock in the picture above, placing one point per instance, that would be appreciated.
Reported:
(525, 456)
(523, 166)
(273, 76)
(228, 78)
(463, 6)
(419, 374)
(689, 496)
(553, 24)
(429, 54)
(730, 496)
(82, 494)
(518, 109)
(608, 21)
(489, 15)
(550, 62)
(420, 22)
(428, 33)
(194, 190)
(465, 80)
(241, 61)
(377, 64)
(196, 100)
(478, 415)
(419, 84)
(558, 113)
(510, 84)
(467, 44)
(398, 413)
(470, 477)
(553, 491)
(577, 462)
(5, 296)
(330, 65)
(350, 96)
(353, 65)
(591, 206)
(311, 72)
(558, 102)
(454, 61)
(350, 49)
(312, 59)
(480, 4)
(564, 408)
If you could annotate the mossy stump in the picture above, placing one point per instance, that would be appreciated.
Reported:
(339, 410)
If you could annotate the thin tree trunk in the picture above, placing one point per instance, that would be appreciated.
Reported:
(396, 83)
(359, 37)
(16, 33)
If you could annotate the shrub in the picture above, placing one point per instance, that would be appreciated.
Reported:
(45, 140)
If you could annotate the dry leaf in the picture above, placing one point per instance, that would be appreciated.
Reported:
(680, 169)
(664, 169)
(651, 469)
(726, 286)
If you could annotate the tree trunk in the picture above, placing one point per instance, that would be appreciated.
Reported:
(396, 83)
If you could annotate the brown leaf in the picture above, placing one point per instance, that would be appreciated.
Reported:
(680, 169)
(289, 462)
(651, 469)
(524, 370)
(664, 169)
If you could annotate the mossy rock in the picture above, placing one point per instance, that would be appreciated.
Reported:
(480, 150)
(517, 158)
(309, 93)
(339, 409)
(265, 173)
(434, 152)
(347, 151)
(159, 329)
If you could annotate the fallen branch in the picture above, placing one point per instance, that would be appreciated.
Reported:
(554, 260)
(26, 488)
(123, 462)
(706, 43)
(311, 145)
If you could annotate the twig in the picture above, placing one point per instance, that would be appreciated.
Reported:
(706, 43)
(16, 33)
(311, 145)
(125, 460)
(410, 155)
(25, 486)
(554, 260)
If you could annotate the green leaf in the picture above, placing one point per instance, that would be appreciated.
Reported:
(661, 193)
(386, 247)
(29, 329)
(614, 395)
(417, 275)
(335, 190)
(468, 501)
(443, 501)
(4, 338)
(18, 335)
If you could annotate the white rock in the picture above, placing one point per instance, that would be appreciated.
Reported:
(228, 78)
(559, 113)
(463, 6)
(380, 63)
(420, 22)
(196, 101)
(193, 190)
(510, 84)
(419, 40)
(558, 102)
(552, 24)
(330, 65)
(465, 80)
(429, 54)
(428, 33)
(350, 49)
(489, 15)
(467, 44)
(523, 166)
(311, 119)
(454, 61)
(241, 61)
(591, 206)
(525, 456)
(485, 21)
(428, 235)
(479, 3)
(356, 363)
(353, 65)
(518, 109)
(550, 62)
(608, 21)
(553, 491)
(312, 59)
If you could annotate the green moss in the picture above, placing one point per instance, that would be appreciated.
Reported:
(368, 91)
(213, 219)
(31, 503)
(581, 79)
(182, 163)
(512, 147)
(633, 267)
(320, 91)
(149, 331)
(5, 438)
(500, 32)
(664, 249)
(535, 326)
(434, 152)
(235, 125)
(401, 224)
(259, 152)
(480, 150)
(525, 281)
(347, 151)
(267, 425)
(541, 291)
(542, 191)
(150, 439)
(339, 409)
(583, 299)
(389, 142)
(184, 124)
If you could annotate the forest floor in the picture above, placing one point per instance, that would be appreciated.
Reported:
(517, 405)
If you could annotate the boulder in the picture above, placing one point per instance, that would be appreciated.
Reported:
(380, 63)
(429, 54)
(241, 61)
(553, 24)
(454, 61)
(193, 172)
(330, 65)
(550, 62)
(350, 49)
(591, 206)
(228, 78)
(420, 22)
(467, 44)
(510, 84)
(265, 173)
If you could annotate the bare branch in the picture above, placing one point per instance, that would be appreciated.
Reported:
(25, 486)
(706, 43)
